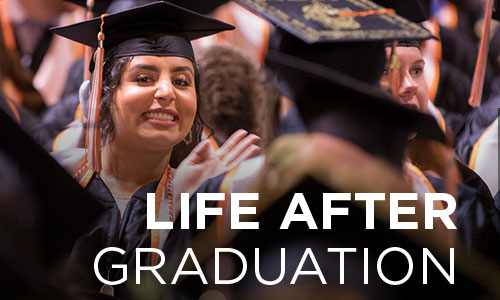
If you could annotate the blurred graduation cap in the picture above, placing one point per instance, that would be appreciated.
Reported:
(366, 115)
(42, 215)
(156, 29)
(413, 10)
(347, 36)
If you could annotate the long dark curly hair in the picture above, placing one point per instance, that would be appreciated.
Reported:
(112, 73)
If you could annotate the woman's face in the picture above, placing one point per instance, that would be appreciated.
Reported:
(410, 83)
(155, 104)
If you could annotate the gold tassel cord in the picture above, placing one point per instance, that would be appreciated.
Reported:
(93, 134)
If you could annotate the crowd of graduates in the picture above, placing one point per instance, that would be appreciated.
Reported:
(105, 101)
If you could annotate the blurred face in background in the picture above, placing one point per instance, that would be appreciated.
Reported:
(42, 11)
(408, 83)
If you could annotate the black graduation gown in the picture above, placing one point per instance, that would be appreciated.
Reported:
(453, 89)
(56, 118)
(128, 233)
(478, 220)
(472, 127)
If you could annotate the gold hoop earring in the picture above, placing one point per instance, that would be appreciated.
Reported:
(188, 138)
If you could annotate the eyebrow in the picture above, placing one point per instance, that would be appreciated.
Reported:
(145, 67)
(155, 68)
(182, 68)
(419, 61)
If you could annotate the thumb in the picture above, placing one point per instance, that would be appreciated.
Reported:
(200, 153)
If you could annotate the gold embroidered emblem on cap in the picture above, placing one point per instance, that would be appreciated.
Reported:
(328, 16)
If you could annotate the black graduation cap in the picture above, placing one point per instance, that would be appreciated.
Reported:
(381, 124)
(159, 29)
(337, 20)
(100, 6)
(413, 10)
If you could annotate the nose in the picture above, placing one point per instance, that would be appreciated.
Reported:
(165, 92)
(408, 88)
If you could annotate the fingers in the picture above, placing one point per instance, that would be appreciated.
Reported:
(249, 152)
(242, 150)
(200, 152)
(230, 143)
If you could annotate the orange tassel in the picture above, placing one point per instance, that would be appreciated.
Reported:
(6, 26)
(93, 134)
(476, 91)
(384, 11)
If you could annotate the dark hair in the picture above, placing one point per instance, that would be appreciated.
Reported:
(232, 91)
(112, 73)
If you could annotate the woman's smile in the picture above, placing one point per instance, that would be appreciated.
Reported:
(161, 117)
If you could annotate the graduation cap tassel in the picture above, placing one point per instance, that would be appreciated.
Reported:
(478, 79)
(93, 134)
(88, 51)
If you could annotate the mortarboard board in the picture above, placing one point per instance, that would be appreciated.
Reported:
(159, 29)
(337, 21)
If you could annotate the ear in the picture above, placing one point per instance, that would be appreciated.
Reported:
(84, 97)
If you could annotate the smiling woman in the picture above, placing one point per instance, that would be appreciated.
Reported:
(152, 109)
(149, 106)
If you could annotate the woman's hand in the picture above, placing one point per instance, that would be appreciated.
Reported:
(204, 163)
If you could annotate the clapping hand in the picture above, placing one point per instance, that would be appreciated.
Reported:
(204, 162)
